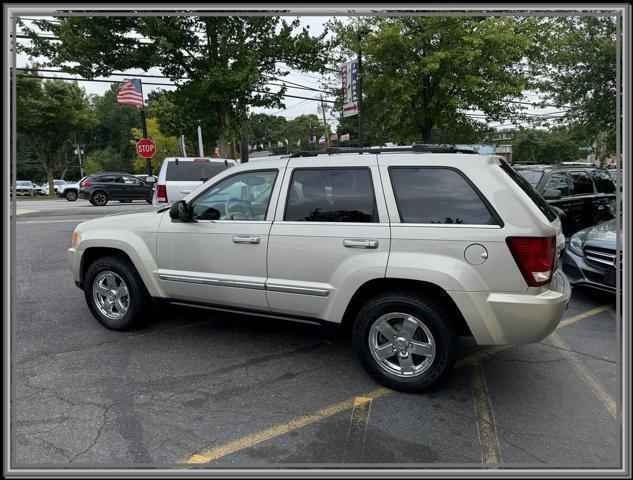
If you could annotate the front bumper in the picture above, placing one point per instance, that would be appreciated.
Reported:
(515, 318)
(74, 263)
(580, 273)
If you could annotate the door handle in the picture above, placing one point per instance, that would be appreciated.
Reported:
(352, 243)
(245, 239)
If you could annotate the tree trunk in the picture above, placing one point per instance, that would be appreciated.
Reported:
(427, 129)
(223, 127)
(51, 184)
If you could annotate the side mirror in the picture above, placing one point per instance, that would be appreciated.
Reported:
(552, 194)
(150, 179)
(180, 211)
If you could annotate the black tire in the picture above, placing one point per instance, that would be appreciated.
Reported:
(149, 201)
(139, 301)
(71, 195)
(432, 315)
(99, 198)
(125, 201)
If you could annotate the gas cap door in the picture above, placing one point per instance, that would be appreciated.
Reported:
(476, 254)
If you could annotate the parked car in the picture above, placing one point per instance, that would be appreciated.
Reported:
(70, 191)
(410, 250)
(24, 187)
(586, 195)
(179, 176)
(56, 185)
(100, 188)
(591, 257)
(39, 189)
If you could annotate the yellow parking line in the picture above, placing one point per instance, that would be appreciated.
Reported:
(488, 439)
(357, 431)
(580, 316)
(302, 421)
(294, 424)
(586, 375)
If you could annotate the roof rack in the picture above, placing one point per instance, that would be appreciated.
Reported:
(417, 147)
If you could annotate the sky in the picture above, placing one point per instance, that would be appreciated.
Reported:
(293, 106)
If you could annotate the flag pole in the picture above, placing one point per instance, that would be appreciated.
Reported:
(144, 127)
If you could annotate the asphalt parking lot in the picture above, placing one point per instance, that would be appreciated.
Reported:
(226, 391)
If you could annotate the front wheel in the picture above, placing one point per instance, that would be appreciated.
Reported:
(115, 293)
(404, 341)
(71, 195)
(99, 199)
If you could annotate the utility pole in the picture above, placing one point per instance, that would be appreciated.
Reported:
(327, 137)
(359, 89)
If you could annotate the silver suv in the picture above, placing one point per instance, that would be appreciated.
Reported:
(410, 249)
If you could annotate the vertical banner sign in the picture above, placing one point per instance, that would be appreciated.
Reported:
(349, 73)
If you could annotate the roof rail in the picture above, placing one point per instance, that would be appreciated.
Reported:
(417, 147)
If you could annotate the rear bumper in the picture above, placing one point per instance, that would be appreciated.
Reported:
(580, 273)
(514, 318)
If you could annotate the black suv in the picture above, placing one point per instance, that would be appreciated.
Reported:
(99, 188)
(586, 195)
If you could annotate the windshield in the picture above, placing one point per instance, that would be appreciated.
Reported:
(58, 182)
(23, 183)
(532, 176)
(193, 171)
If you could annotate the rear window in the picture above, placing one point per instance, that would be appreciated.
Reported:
(437, 195)
(532, 176)
(191, 171)
(539, 201)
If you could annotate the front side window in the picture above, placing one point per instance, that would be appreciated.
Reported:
(331, 195)
(437, 195)
(581, 183)
(130, 180)
(240, 197)
(558, 181)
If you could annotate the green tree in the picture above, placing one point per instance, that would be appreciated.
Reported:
(263, 128)
(221, 64)
(577, 68)
(542, 146)
(114, 124)
(303, 128)
(48, 114)
(420, 72)
(166, 146)
(107, 159)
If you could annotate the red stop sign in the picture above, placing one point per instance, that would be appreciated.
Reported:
(145, 148)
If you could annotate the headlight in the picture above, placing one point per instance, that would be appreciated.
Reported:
(576, 241)
(75, 241)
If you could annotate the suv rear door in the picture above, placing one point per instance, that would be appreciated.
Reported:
(330, 234)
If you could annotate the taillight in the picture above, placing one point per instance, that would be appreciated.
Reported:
(161, 193)
(85, 184)
(535, 257)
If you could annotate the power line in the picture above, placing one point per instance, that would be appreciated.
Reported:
(169, 85)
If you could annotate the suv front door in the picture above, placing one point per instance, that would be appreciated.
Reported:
(219, 258)
(134, 188)
(330, 234)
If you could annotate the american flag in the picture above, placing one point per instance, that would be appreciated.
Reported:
(131, 93)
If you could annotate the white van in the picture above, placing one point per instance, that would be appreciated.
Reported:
(180, 176)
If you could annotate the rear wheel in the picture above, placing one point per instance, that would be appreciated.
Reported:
(71, 195)
(99, 199)
(115, 293)
(405, 341)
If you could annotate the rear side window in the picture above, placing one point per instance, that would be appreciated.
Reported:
(558, 181)
(331, 195)
(437, 195)
(603, 181)
(539, 201)
(581, 183)
(191, 171)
